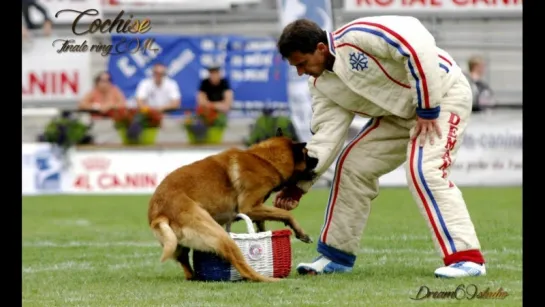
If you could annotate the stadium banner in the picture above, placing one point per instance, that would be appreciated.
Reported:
(49, 76)
(54, 6)
(252, 66)
(490, 154)
(432, 6)
(300, 103)
(44, 171)
(126, 172)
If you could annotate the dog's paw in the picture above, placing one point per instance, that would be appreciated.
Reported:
(272, 279)
(304, 238)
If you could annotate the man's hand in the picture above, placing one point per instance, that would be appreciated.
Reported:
(288, 198)
(426, 128)
(221, 107)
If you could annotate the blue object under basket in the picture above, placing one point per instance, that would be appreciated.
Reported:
(210, 267)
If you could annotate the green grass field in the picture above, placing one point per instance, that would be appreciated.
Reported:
(98, 251)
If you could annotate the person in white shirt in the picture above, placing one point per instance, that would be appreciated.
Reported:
(159, 91)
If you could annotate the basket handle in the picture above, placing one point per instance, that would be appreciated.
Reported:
(249, 223)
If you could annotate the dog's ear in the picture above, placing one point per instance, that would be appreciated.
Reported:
(299, 151)
(279, 132)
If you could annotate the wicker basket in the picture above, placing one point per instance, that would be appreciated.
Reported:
(269, 253)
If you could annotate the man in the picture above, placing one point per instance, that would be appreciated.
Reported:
(159, 91)
(483, 96)
(215, 91)
(389, 69)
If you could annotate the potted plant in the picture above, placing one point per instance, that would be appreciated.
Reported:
(205, 126)
(66, 130)
(137, 126)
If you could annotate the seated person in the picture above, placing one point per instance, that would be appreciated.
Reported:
(159, 91)
(215, 92)
(104, 96)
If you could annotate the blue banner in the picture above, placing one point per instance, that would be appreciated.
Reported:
(252, 66)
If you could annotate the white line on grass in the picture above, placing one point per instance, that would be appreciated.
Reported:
(510, 251)
(411, 261)
(397, 238)
(78, 222)
(86, 266)
(91, 244)
(50, 244)
(63, 266)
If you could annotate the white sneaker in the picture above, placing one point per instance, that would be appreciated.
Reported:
(322, 265)
(461, 269)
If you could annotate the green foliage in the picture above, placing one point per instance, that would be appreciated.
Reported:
(65, 131)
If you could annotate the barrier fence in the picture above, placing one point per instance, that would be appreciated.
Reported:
(490, 155)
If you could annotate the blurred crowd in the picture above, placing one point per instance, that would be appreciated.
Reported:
(159, 92)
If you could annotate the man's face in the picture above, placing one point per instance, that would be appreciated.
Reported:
(214, 76)
(159, 71)
(104, 82)
(312, 64)
(479, 69)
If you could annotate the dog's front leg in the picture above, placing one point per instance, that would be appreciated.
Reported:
(266, 213)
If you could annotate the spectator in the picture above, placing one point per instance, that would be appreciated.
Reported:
(159, 91)
(215, 92)
(104, 96)
(483, 96)
(29, 25)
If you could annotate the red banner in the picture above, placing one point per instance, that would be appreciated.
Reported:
(409, 6)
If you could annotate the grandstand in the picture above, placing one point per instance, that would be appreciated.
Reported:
(496, 36)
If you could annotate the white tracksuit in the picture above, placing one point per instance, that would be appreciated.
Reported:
(388, 68)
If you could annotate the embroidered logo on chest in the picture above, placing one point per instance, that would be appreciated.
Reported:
(358, 61)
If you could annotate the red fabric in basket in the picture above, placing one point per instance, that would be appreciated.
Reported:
(281, 249)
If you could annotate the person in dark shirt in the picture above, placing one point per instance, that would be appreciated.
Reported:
(483, 96)
(215, 92)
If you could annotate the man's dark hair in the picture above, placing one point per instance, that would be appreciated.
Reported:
(301, 35)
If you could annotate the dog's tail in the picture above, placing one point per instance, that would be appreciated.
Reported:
(166, 236)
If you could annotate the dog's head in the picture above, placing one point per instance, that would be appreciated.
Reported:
(304, 165)
(289, 158)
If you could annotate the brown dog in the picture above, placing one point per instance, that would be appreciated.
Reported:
(191, 203)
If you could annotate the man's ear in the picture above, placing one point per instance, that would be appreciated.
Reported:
(279, 132)
(298, 150)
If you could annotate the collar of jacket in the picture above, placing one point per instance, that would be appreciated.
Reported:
(331, 43)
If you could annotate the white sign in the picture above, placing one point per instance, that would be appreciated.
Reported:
(54, 6)
(126, 172)
(54, 77)
(490, 154)
(412, 6)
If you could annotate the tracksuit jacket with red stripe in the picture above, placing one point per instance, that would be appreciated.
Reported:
(385, 65)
